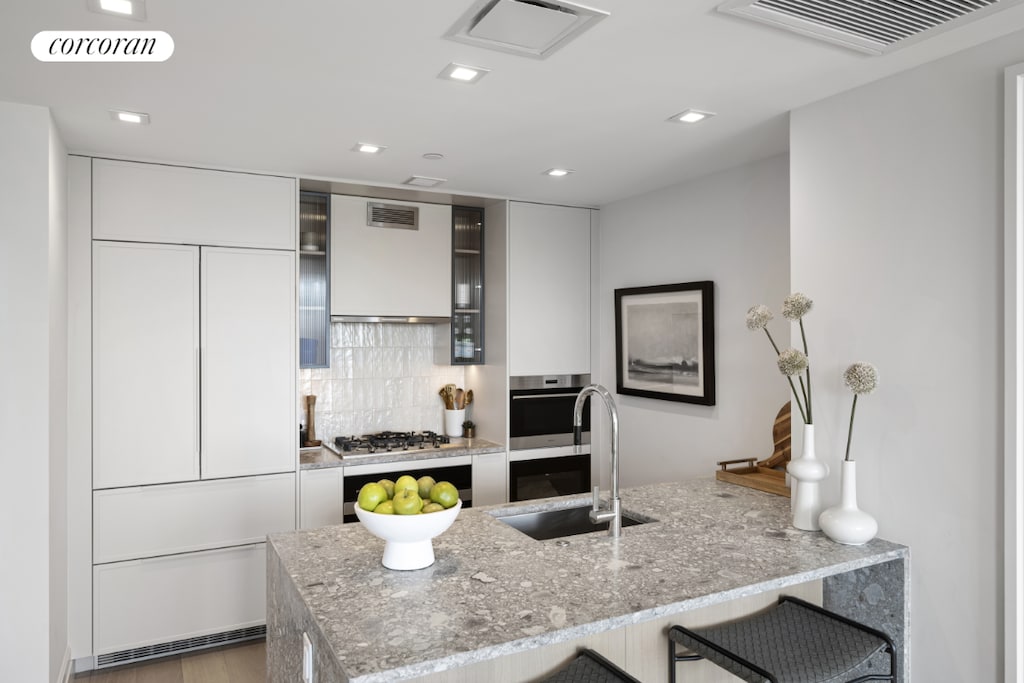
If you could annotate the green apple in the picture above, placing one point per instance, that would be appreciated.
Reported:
(407, 502)
(425, 483)
(385, 508)
(389, 486)
(406, 482)
(432, 507)
(371, 495)
(444, 493)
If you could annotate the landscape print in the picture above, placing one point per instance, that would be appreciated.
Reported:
(665, 343)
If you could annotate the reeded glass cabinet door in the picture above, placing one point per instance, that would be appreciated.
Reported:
(314, 281)
(467, 285)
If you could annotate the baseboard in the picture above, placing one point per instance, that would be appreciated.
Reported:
(84, 664)
(65, 667)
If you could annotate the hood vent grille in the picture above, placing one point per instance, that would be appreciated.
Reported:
(380, 215)
(531, 28)
(871, 26)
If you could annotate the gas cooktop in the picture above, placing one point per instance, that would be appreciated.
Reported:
(389, 442)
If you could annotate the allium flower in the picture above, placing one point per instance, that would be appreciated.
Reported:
(758, 316)
(792, 362)
(796, 306)
(861, 378)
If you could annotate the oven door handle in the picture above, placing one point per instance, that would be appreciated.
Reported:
(517, 398)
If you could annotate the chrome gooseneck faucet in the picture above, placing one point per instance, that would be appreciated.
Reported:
(614, 515)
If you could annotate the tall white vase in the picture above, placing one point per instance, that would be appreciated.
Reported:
(807, 473)
(847, 523)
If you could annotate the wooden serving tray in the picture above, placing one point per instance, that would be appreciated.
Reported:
(763, 475)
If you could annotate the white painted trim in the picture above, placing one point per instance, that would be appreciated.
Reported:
(1013, 624)
(65, 667)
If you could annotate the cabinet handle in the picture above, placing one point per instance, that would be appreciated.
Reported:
(535, 396)
(198, 371)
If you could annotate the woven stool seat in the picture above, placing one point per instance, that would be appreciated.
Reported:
(590, 667)
(792, 642)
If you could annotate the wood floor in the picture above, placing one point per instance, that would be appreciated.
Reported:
(244, 663)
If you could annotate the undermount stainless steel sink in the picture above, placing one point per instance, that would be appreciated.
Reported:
(546, 524)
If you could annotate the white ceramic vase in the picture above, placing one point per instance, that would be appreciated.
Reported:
(807, 473)
(453, 420)
(846, 523)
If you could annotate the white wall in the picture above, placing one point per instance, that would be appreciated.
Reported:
(897, 235)
(33, 336)
(733, 228)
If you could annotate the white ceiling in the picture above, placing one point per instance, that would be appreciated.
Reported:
(290, 87)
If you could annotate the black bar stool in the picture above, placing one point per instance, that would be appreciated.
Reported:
(792, 642)
(590, 667)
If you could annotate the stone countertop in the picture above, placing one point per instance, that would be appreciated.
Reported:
(318, 458)
(494, 591)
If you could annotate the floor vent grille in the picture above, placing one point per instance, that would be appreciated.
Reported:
(179, 646)
(872, 26)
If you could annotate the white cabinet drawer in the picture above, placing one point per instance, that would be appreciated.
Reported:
(147, 521)
(145, 602)
(160, 203)
(321, 497)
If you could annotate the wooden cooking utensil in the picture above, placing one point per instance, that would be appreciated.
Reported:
(311, 439)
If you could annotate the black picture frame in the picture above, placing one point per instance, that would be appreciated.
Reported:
(665, 342)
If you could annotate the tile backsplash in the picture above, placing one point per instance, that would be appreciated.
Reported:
(382, 376)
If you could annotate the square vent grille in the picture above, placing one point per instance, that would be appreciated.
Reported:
(532, 28)
(871, 26)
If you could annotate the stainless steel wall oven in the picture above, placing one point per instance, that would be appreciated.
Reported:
(540, 410)
(542, 459)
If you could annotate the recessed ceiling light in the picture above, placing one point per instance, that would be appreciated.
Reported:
(368, 148)
(423, 181)
(691, 116)
(128, 9)
(433, 156)
(463, 73)
(130, 116)
(558, 172)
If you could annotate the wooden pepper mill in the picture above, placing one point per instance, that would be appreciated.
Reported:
(311, 439)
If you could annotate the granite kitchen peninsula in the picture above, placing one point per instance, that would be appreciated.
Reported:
(710, 552)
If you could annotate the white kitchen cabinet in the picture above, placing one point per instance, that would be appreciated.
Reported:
(490, 478)
(145, 364)
(321, 497)
(248, 362)
(390, 271)
(145, 202)
(549, 289)
(165, 599)
(147, 521)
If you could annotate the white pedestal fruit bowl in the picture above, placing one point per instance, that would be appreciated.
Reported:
(407, 539)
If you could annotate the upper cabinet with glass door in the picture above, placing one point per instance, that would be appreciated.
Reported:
(467, 340)
(314, 280)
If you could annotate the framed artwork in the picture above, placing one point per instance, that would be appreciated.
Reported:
(665, 342)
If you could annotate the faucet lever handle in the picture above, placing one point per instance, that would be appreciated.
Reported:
(597, 498)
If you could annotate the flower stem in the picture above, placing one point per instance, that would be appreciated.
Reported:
(849, 435)
(803, 336)
(774, 345)
(796, 397)
(807, 403)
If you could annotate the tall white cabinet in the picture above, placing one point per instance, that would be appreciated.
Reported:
(145, 364)
(248, 362)
(195, 442)
(548, 289)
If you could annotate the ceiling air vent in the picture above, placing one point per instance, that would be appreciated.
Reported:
(871, 26)
(392, 216)
(533, 28)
